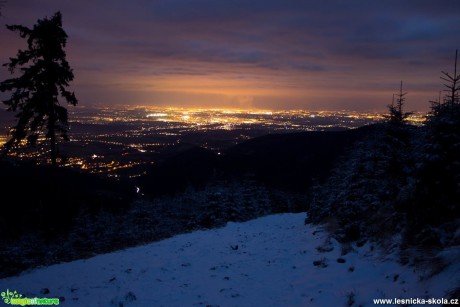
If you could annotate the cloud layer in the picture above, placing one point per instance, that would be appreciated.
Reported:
(261, 53)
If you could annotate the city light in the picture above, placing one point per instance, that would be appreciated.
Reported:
(115, 141)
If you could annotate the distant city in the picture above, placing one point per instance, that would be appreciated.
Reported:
(122, 141)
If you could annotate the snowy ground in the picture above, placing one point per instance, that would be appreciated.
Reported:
(264, 262)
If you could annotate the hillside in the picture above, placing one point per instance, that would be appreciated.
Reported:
(271, 261)
(288, 161)
(292, 160)
(193, 188)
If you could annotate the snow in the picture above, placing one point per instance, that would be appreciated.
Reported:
(263, 262)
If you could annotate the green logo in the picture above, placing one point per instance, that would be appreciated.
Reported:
(14, 298)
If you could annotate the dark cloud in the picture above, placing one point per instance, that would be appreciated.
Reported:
(290, 52)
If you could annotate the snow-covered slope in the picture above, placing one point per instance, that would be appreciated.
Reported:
(264, 262)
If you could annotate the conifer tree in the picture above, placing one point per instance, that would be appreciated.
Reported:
(450, 104)
(397, 114)
(439, 178)
(36, 93)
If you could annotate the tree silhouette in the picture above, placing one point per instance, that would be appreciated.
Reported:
(453, 84)
(450, 106)
(35, 94)
(397, 115)
(439, 174)
(444, 117)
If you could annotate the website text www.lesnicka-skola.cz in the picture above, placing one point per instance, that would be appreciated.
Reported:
(416, 301)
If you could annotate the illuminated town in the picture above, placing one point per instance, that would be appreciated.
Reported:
(122, 141)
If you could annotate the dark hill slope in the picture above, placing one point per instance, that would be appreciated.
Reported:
(40, 198)
(288, 161)
(182, 165)
(291, 160)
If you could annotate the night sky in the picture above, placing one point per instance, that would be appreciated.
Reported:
(270, 54)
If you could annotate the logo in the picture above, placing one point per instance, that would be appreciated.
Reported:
(14, 298)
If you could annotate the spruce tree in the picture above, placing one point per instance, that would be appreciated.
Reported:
(444, 118)
(439, 177)
(397, 114)
(42, 85)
